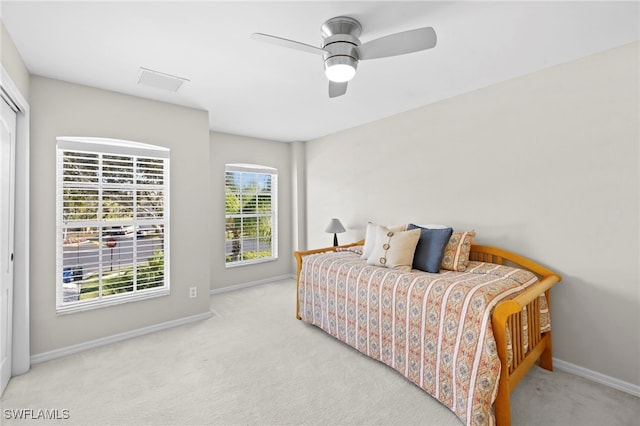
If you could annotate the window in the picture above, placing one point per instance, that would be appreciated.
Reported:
(250, 214)
(112, 224)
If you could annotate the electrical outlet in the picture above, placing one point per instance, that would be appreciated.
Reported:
(193, 292)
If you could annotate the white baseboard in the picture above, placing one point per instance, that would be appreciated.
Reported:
(594, 376)
(58, 353)
(251, 284)
(80, 347)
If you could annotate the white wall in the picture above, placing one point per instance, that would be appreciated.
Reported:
(546, 165)
(227, 149)
(298, 196)
(64, 109)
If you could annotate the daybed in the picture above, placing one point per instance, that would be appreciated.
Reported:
(465, 346)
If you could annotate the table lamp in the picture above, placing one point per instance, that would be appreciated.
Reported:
(335, 228)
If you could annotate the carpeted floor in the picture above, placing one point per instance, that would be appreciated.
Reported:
(254, 364)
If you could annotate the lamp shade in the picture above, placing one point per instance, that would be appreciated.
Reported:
(335, 227)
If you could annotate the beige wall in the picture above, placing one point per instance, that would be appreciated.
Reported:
(12, 62)
(546, 165)
(226, 149)
(64, 109)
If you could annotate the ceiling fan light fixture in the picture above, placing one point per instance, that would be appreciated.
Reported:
(340, 73)
(342, 50)
(340, 69)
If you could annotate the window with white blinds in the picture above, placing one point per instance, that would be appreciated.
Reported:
(112, 228)
(250, 214)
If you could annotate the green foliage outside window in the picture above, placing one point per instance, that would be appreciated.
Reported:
(149, 275)
(249, 215)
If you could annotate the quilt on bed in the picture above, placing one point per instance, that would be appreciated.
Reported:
(435, 329)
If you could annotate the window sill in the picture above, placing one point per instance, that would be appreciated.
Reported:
(250, 262)
(90, 304)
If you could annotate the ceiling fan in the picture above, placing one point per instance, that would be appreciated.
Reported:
(341, 49)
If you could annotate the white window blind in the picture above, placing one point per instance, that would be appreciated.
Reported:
(112, 222)
(250, 214)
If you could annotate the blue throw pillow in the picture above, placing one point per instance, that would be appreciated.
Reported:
(430, 248)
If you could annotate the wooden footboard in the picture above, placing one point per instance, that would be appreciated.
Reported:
(507, 320)
(508, 315)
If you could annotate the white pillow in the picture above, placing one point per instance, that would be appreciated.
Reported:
(370, 237)
(394, 249)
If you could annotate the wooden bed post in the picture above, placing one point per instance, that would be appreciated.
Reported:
(298, 257)
(546, 359)
(502, 404)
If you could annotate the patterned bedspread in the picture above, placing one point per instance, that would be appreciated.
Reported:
(435, 329)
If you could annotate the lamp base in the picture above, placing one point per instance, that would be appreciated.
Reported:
(335, 240)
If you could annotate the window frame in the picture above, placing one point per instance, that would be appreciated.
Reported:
(115, 147)
(263, 170)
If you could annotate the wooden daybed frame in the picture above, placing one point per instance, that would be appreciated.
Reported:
(507, 315)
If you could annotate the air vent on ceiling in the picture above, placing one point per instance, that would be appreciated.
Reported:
(160, 80)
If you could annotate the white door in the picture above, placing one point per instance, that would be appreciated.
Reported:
(7, 193)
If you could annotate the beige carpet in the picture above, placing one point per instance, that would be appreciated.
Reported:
(254, 364)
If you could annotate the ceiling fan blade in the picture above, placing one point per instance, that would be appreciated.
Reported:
(398, 44)
(337, 89)
(284, 42)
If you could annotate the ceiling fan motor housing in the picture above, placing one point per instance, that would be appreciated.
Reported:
(340, 40)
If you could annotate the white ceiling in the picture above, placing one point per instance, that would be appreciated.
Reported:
(257, 89)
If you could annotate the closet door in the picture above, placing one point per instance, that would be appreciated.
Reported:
(7, 194)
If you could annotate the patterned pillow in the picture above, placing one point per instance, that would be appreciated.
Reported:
(370, 237)
(456, 253)
(394, 249)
